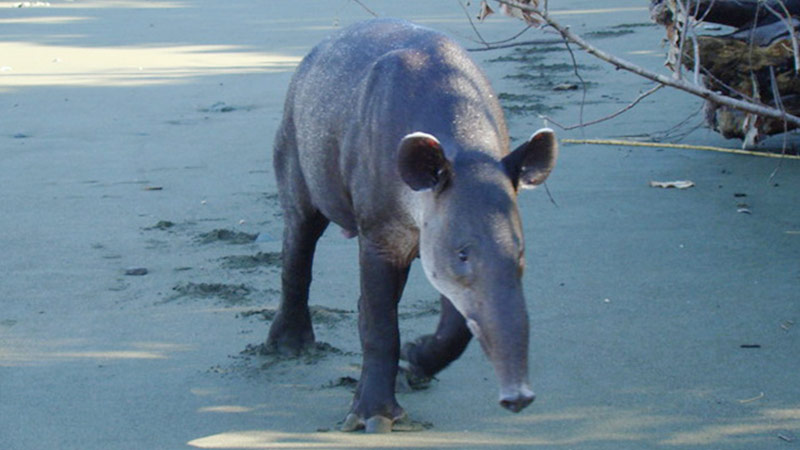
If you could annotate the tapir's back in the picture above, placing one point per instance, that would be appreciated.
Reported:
(331, 80)
(356, 95)
(331, 74)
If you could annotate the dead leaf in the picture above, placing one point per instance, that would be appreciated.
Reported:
(485, 12)
(514, 11)
(679, 184)
(786, 436)
(752, 399)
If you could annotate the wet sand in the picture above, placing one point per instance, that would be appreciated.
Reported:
(140, 237)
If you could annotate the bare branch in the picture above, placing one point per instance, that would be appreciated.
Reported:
(693, 89)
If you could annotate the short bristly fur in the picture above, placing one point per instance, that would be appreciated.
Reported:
(393, 133)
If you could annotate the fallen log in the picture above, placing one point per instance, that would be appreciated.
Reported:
(757, 62)
(736, 13)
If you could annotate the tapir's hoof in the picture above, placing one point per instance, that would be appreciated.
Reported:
(414, 376)
(289, 339)
(517, 401)
(375, 424)
(411, 379)
(288, 348)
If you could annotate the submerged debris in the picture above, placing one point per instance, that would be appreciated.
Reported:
(679, 184)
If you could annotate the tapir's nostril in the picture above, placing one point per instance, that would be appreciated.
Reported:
(518, 401)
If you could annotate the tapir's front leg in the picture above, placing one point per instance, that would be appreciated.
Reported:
(431, 353)
(382, 280)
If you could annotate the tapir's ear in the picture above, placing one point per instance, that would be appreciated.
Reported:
(422, 163)
(530, 163)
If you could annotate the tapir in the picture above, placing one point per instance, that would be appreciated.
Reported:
(394, 134)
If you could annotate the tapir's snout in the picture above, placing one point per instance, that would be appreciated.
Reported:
(502, 329)
(515, 400)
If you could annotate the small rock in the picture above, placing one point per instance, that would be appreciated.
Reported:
(162, 225)
(566, 87)
(136, 271)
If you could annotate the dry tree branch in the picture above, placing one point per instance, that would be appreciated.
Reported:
(608, 117)
(680, 84)
(498, 44)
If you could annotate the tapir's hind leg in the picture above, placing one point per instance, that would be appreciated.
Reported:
(431, 353)
(291, 331)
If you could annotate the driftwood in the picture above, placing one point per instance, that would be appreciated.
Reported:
(758, 62)
(755, 111)
(737, 13)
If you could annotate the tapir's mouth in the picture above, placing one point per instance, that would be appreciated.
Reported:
(515, 400)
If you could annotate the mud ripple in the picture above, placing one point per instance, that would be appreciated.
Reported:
(268, 357)
(320, 315)
(231, 293)
(260, 259)
(227, 236)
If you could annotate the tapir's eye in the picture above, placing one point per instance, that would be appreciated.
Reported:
(461, 269)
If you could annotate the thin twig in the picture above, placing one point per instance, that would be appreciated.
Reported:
(583, 82)
(687, 19)
(491, 46)
(472, 24)
(550, 195)
(496, 44)
(374, 14)
(696, 50)
(514, 37)
(672, 133)
(610, 116)
(779, 103)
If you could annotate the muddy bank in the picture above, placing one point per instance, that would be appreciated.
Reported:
(137, 135)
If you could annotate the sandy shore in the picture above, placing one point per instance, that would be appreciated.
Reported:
(139, 230)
